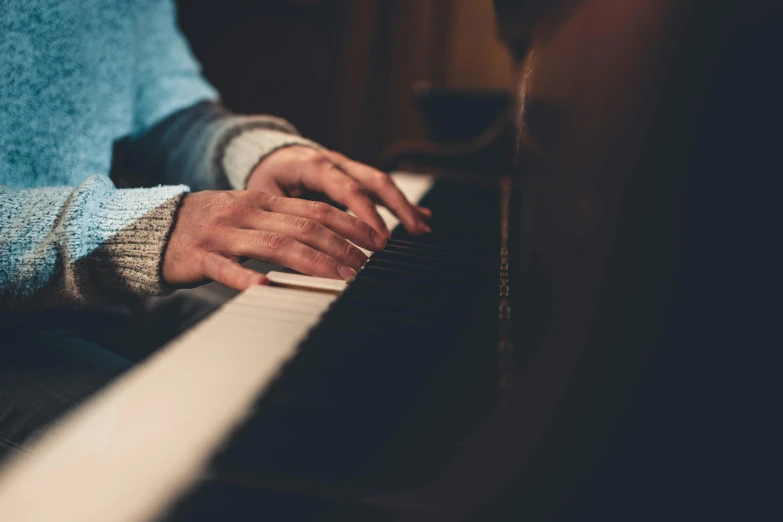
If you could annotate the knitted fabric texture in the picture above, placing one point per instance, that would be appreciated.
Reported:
(76, 76)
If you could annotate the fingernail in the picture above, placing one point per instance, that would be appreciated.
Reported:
(260, 280)
(418, 227)
(346, 273)
(378, 240)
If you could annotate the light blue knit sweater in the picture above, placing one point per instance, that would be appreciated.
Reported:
(75, 77)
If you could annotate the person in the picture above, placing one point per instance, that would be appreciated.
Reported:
(80, 79)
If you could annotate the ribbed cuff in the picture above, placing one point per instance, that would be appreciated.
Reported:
(247, 149)
(133, 228)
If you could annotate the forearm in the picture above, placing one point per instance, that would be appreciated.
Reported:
(181, 134)
(63, 246)
(205, 147)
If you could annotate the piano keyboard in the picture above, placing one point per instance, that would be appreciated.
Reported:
(341, 384)
(392, 347)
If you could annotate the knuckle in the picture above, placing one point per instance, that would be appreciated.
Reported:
(321, 262)
(320, 160)
(384, 181)
(353, 188)
(275, 242)
(357, 223)
(257, 195)
(231, 211)
(340, 156)
(210, 239)
(259, 198)
(272, 202)
(319, 209)
(224, 197)
(348, 250)
(306, 226)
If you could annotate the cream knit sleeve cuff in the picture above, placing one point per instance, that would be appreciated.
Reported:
(131, 251)
(66, 246)
(246, 150)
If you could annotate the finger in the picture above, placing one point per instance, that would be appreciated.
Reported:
(347, 226)
(230, 273)
(345, 163)
(308, 232)
(326, 177)
(280, 249)
(424, 211)
(387, 192)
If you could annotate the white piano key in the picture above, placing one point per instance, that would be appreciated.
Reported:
(272, 293)
(303, 316)
(255, 305)
(309, 282)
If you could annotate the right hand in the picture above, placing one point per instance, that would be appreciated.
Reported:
(214, 229)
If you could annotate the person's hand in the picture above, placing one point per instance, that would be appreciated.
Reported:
(214, 229)
(293, 170)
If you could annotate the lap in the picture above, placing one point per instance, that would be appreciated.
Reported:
(52, 361)
(46, 368)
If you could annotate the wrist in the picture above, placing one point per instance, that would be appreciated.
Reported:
(131, 229)
(246, 151)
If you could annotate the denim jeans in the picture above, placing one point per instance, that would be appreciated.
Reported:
(51, 361)
(48, 363)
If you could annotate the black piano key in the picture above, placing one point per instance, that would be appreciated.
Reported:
(440, 279)
(426, 258)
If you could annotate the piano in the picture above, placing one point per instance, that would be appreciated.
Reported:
(352, 394)
(412, 394)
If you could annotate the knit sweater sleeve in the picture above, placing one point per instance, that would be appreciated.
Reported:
(64, 246)
(203, 146)
(181, 133)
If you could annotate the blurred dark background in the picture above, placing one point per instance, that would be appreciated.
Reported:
(343, 71)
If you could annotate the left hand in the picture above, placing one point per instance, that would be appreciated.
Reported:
(293, 170)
